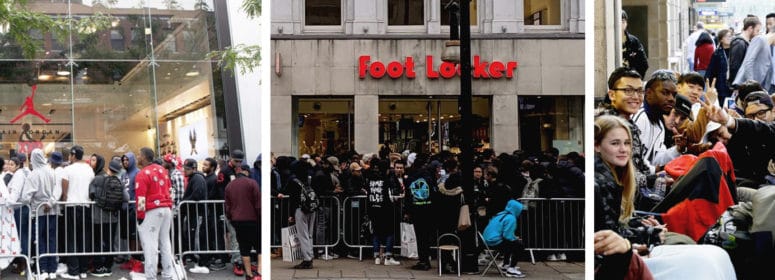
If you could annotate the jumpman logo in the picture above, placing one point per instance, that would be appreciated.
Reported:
(28, 108)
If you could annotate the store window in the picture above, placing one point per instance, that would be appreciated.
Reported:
(543, 12)
(325, 126)
(551, 121)
(430, 125)
(322, 12)
(118, 94)
(445, 13)
(406, 12)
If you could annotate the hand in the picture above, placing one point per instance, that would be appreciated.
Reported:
(712, 94)
(732, 113)
(650, 221)
(640, 249)
(680, 142)
(608, 242)
(291, 220)
(716, 114)
(279, 195)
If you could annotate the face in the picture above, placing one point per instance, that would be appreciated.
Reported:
(623, 98)
(758, 112)
(206, 167)
(661, 96)
(691, 91)
(399, 169)
(7, 165)
(236, 163)
(93, 162)
(477, 173)
(357, 172)
(770, 24)
(11, 166)
(726, 40)
(615, 148)
(125, 162)
(674, 120)
(754, 31)
(188, 171)
(624, 24)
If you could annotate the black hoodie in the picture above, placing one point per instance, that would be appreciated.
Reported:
(737, 49)
(100, 167)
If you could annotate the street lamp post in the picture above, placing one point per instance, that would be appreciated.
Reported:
(461, 7)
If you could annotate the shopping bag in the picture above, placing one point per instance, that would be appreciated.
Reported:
(290, 243)
(408, 241)
(464, 220)
(179, 270)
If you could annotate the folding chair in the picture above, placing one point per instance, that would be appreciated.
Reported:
(493, 257)
(456, 250)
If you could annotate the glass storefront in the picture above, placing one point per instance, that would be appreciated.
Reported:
(557, 119)
(430, 124)
(139, 79)
(324, 125)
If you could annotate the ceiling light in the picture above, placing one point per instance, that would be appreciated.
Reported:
(44, 77)
(63, 73)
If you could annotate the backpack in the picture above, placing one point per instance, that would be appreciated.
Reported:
(531, 191)
(309, 202)
(111, 197)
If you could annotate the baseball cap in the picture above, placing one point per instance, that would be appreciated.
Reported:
(334, 162)
(355, 166)
(77, 151)
(190, 163)
(245, 167)
(56, 158)
(683, 106)
(758, 97)
(115, 166)
(237, 155)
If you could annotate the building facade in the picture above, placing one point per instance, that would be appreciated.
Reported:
(123, 75)
(351, 75)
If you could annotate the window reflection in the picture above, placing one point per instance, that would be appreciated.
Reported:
(542, 12)
(323, 12)
(406, 12)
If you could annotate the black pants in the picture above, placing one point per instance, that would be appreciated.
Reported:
(103, 234)
(511, 251)
(248, 237)
(77, 237)
(425, 231)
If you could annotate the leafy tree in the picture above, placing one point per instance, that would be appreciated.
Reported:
(247, 57)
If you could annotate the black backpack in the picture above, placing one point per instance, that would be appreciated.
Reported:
(309, 202)
(111, 197)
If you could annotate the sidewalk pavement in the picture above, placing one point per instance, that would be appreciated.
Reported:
(344, 268)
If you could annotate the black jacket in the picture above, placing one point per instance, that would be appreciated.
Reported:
(211, 181)
(634, 55)
(196, 189)
(717, 69)
(737, 50)
(750, 149)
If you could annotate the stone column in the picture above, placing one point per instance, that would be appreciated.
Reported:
(283, 123)
(505, 123)
(366, 123)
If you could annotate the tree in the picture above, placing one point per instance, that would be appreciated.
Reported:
(247, 57)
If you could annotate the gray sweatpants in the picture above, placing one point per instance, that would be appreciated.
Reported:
(305, 224)
(155, 236)
(233, 244)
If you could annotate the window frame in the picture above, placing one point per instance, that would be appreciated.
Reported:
(407, 28)
(563, 26)
(323, 28)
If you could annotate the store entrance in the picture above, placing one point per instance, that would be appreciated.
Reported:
(430, 124)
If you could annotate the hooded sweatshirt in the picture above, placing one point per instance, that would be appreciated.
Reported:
(40, 185)
(99, 169)
(129, 178)
(504, 225)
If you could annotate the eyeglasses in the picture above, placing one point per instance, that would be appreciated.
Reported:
(758, 115)
(632, 92)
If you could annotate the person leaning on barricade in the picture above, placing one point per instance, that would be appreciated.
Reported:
(631, 246)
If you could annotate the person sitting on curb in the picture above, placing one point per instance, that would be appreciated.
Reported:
(499, 234)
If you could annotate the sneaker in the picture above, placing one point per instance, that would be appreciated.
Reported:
(61, 268)
(136, 276)
(138, 267)
(40, 276)
(84, 275)
(514, 272)
(217, 265)
(199, 269)
(562, 257)
(377, 260)
(325, 257)
(421, 266)
(68, 276)
(304, 265)
(351, 256)
(127, 265)
(551, 257)
(238, 270)
(391, 261)
(52, 275)
(505, 267)
(101, 272)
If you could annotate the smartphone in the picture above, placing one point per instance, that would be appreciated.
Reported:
(729, 103)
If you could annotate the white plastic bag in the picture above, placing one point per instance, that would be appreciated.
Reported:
(290, 243)
(408, 241)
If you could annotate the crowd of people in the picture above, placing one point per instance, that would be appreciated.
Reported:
(424, 190)
(89, 206)
(655, 134)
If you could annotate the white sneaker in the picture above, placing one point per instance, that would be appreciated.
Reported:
(514, 272)
(551, 257)
(84, 275)
(136, 275)
(391, 261)
(61, 268)
(199, 269)
(377, 260)
(41, 276)
(325, 257)
(52, 276)
(68, 276)
(562, 257)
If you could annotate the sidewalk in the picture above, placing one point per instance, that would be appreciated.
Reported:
(344, 268)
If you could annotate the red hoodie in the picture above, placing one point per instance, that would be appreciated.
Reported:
(153, 183)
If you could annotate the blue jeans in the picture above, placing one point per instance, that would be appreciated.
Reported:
(22, 218)
(388, 244)
(47, 242)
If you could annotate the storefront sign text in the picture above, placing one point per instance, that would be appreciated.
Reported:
(447, 70)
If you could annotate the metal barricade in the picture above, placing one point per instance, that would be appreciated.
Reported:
(22, 223)
(555, 224)
(202, 227)
(82, 231)
(328, 217)
(280, 211)
(355, 209)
